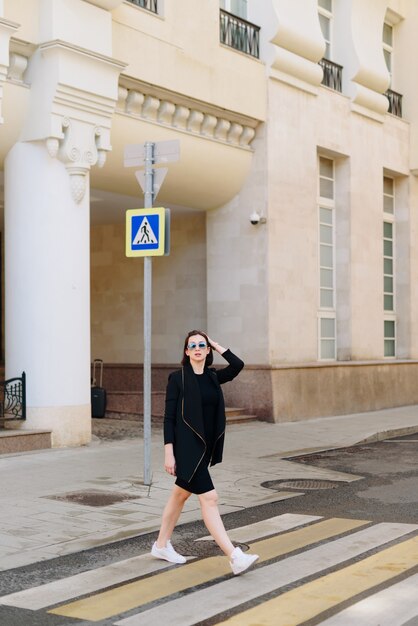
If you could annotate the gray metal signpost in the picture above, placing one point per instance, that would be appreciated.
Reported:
(148, 202)
(147, 155)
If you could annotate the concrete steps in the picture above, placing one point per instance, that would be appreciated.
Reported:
(129, 405)
(235, 415)
(12, 441)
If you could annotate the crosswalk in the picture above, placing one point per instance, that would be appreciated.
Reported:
(353, 572)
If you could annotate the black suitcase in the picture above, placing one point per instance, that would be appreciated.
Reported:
(98, 393)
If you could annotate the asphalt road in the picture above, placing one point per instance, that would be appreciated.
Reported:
(386, 491)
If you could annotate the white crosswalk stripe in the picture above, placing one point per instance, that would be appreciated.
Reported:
(320, 544)
(117, 573)
(206, 603)
(266, 527)
(391, 607)
(86, 582)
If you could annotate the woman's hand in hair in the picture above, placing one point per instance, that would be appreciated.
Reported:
(216, 346)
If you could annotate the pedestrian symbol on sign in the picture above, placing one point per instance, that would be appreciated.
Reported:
(144, 234)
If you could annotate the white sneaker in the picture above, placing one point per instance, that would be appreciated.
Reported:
(167, 554)
(241, 562)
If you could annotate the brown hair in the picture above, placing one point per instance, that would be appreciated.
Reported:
(209, 358)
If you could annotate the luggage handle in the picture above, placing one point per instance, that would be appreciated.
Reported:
(98, 362)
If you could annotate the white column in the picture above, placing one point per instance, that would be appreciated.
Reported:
(74, 90)
(47, 267)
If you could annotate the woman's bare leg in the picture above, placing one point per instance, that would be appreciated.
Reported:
(213, 521)
(171, 513)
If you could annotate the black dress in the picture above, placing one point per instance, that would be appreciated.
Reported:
(201, 481)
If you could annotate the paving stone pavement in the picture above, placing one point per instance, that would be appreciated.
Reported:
(117, 429)
(35, 526)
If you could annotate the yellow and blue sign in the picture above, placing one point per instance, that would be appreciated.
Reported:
(145, 232)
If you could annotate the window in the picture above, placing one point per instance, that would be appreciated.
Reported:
(326, 258)
(236, 7)
(327, 334)
(326, 178)
(388, 195)
(388, 47)
(332, 72)
(388, 295)
(390, 338)
(325, 21)
(389, 302)
(326, 209)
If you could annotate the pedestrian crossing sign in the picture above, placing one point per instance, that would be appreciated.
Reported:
(145, 232)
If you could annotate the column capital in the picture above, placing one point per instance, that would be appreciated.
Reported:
(73, 97)
(80, 147)
(7, 28)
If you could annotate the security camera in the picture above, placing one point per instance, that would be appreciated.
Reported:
(255, 218)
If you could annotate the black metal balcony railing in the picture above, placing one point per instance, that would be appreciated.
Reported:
(239, 34)
(333, 74)
(13, 399)
(150, 5)
(395, 102)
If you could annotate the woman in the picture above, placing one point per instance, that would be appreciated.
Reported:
(194, 429)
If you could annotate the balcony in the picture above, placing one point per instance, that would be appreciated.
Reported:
(239, 34)
(395, 102)
(149, 5)
(333, 74)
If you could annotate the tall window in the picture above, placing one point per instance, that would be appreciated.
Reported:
(388, 47)
(325, 20)
(327, 316)
(236, 7)
(389, 322)
(388, 295)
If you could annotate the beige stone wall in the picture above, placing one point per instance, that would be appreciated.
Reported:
(303, 126)
(237, 266)
(295, 393)
(183, 54)
(179, 292)
(306, 392)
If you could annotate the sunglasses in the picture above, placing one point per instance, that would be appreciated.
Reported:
(202, 345)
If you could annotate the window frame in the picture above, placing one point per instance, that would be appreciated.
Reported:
(226, 5)
(390, 315)
(392, 340)
(326, 312)
(385, 274)
(389, 49)
(329, 16)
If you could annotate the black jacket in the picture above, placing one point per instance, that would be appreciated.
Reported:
(183, 419)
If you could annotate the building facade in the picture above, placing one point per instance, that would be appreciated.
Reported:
(302, 115)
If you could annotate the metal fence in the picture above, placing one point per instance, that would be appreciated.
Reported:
(13, 398)
(150, 5)
(239, 34)
(395, 102)
(333, 74)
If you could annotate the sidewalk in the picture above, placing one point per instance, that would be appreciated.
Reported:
(34, 527)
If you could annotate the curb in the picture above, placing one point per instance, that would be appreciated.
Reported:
(388, 434)
(374, 438)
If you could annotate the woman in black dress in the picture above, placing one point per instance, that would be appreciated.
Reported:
(194, 430)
